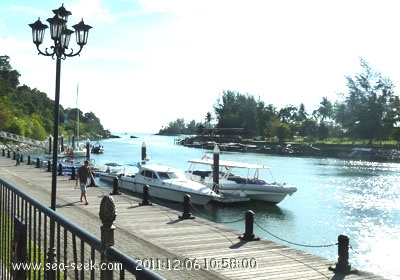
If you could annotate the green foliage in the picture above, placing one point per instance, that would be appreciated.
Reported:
(30, 113)
(179, 126)
(370, 111)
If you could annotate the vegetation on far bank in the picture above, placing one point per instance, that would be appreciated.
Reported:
(30, 113)
(368, 113)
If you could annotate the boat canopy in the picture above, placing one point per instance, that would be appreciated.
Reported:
(229, 164)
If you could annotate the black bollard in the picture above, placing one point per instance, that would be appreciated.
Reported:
(8, 153)
(48, 166)
(115, 187)
(13, 155)
(29, 160)
(92, 182)
(186, 208)
(249, 235)
(37, 163)
(146, 196)
(60, 171)
(73, 173)
(343, 266)
(4, 152)
(21, 159)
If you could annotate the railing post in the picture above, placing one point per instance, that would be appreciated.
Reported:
(186, 208)
(108, 214)
(146, 196)
(249, 235)
(52, 263)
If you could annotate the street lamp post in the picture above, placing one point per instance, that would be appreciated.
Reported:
(60, 35)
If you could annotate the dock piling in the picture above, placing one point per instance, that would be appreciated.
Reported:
(216, 152)
(144, 151)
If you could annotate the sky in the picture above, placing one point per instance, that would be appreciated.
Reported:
(150, 62)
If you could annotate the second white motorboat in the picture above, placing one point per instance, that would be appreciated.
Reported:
(230, 183)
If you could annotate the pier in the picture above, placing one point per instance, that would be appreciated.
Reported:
(176, 248)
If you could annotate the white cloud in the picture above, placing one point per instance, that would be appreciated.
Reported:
(150, 62)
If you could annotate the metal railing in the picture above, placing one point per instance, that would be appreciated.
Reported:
(77, 254)
(22, 139)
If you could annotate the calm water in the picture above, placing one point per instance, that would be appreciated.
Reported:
(356, 198)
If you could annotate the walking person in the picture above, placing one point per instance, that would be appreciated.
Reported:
(18, 157)
(84, 176)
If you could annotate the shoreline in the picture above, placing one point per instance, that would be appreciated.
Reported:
(378, 153)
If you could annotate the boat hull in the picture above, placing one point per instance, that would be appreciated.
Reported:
(273, 193)
(108, 177)
(261, 193)
(163, 191)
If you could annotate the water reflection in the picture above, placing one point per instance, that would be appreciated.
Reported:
(224, 214)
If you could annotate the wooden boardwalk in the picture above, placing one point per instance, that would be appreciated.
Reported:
(179, 248)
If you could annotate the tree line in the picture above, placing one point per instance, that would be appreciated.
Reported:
(369, 111)
(30, 113)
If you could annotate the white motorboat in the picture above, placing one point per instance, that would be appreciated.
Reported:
(79, 151)
(167, 183)
(110, 172)
(229, 183)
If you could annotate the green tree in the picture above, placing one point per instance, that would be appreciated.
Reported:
(235, 110)
(365, 110)
(29, 112)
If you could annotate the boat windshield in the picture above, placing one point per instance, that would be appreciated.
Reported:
(167, 175)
